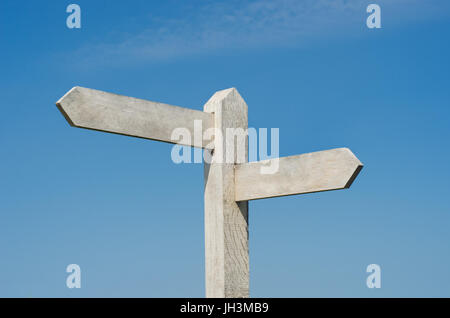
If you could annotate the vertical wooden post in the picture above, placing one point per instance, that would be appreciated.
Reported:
(228, 176)
(226, 221)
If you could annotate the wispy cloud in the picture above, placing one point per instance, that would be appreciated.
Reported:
(240, 24)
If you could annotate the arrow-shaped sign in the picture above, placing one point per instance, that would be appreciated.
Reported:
(312, 172)
(228, 186)
(97, 110)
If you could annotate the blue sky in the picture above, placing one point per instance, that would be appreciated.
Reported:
(133, 220)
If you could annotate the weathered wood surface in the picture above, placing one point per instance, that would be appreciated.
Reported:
(97, 110)
(312, 172)
(226, 221)
(229, 185)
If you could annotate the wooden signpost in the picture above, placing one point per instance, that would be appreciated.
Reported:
(229, 184)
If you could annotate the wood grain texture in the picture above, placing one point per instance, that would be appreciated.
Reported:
(226, 221)
(312, 172)
(229, 184)
(97, 110)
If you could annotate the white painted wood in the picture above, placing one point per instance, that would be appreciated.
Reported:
(312, 172)
(97, 110)
(226, 221)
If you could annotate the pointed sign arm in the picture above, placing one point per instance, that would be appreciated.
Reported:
(312, 172)
(97, 110)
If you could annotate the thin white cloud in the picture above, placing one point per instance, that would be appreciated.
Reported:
(233, 24)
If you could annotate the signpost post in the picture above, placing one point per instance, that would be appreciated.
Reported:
(230, 181)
